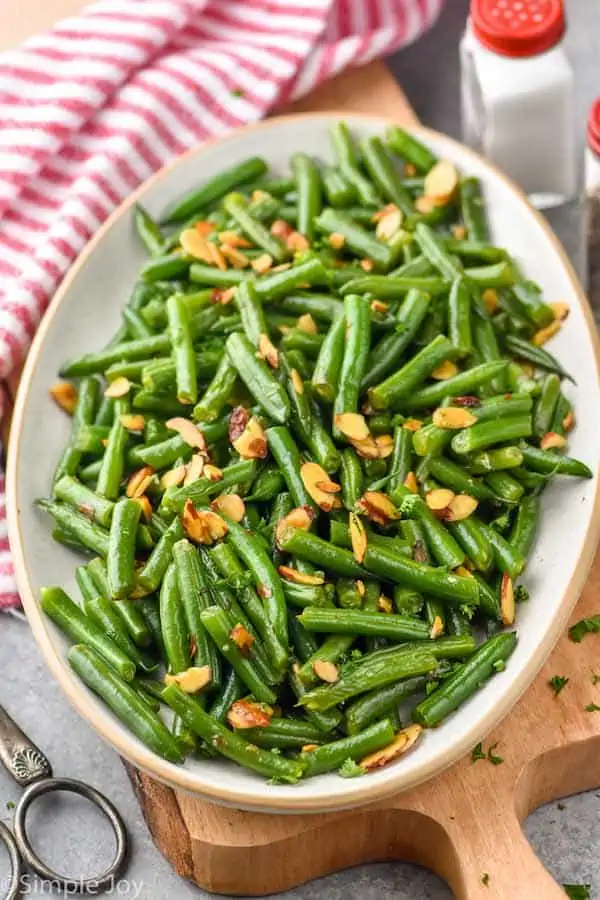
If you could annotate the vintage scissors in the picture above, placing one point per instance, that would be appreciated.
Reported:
(32, 770)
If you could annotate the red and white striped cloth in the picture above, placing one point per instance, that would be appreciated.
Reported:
(92, 108)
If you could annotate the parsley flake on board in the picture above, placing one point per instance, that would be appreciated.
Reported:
(578, 891)
(557, 683)
(485, 879)
(595, 678)
(591, 625)
(592, 707)
(479, 753)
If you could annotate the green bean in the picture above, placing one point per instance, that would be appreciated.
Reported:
(308, 428)
(91, 439)
(163, 268)
(216, 396)
(503, 407)
(233, 690)
(284, 734)
(507, 557)
(401, 457)
(194, 596)
(433, 248)
(255, 231)
(529, 298)
(478, 250)
(88, 533)
(395, 389)
(355, 356)
(174, 499)
(275, 285)
(458, 385)
(459, 317)
(550, 462)
(487, 347)
(338, 190)
(387, 288)
(487, 434)
(463, 683)
(441, 544)
(417, 266)
(351, 476)
(120, 559)
(410, 149)
(182, 349)
(314, 549)
(268, 484)
(326, 372)
(308, 186)
(536, 355)
(215, 188)
(322, 307)
(153, 571)
(363, 243)
(287, 456)
(330, 756)
(474, 541)
(257, 378)
(473, 209)
(175, 635)
(363, 622)
(251, 312)
(200, 273)
(85, 409)
(86, 501)
(430, 440)
(148, 231)
(525, 528)
(137, 326)
(381, 702)
(384, 175)
(495, 460)
(506, 489)
(347, 158)
(545, 405)
(455, 477)
(387, 353)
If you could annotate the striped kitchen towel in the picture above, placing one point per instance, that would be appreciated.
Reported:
(95, 106)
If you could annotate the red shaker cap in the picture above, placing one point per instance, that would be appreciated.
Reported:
(593, 129)
(518, 27)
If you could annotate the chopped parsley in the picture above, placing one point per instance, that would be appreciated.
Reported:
(485, 879)
(578, 891)
(521, 594)
(592, 707)
(561, 806)
(350, 769)
(10, 804)
(479, 753)
(557, 683)
(595, 678)
(591, 625)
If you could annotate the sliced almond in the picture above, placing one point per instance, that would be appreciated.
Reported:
(425, 205)
(258, 194)
(139, 482)
(412, 424)
(352, 425)
(297, 242)
(460, 508)
(233, 239)
(445, 370)
(234, 256)
(87, 511)
(120, 387)
(383, 212)
(195, 245)
(230, 505)
(360, 587)
(242, 639)
(463, 572)
(384, 604)
(307, 324)
(441, 182)
(553, 441)
(336, 240)
(132, 421)
(194, 469)
(544, 334)
(64, 395)
(308, 748)
(281, 229)
(569, 420)
(204, 227)
(190, 433)
(507, 600)
(459, 232)
(291, 574)
(202, 525)
(213, 473)
(437, 628)
(317, 483)
(560, 309)
(385, 445)
(146, 507)
(410, 482)
(297, 381)
(410, 170)
(490, 299)
(378, 507)
(467, 400)
(246, 714)
(216, 256)
(326, 671)
(367, 449)
(262, 263)
(453, 417)
(358, 538)
(268, 351)
(238, 421)
(378, 306)
(223, 296)
(192, 680)
(367, 265)
(252, 443)
(439, 499)
(403, 741)
(300, 517)
(389, 224)
(173, 477)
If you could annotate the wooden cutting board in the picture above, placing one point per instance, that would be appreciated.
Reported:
(462, 824)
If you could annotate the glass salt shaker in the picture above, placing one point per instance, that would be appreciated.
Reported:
(517, 95)
(592, 189)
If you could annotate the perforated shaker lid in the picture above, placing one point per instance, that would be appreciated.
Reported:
(518, 27)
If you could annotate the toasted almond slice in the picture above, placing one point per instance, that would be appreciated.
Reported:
(262, 263)
(173, 478)
(308, 748)
(463, 572)
(352, 425)
(467, 400)
(195, 245)
(378, 507)
(410, 170)
(226, 296)
(403, 741)
(553, 441)
(459, 232)
(425, 205)
(192, 680)
(258, 194)
(507, 600)
(64, 395)
(146, 507)
(460, 508)
(204, 227)
(87, 511)
(383, 212)
(313, 476)
(367, 449)
(246, 714)
(216, 256)
(297, 242)
(139, 482)
(367, 265)
(252, 443)
(297, 381)
(300, 517)
(292, 574)
(569, 420)
(544, 334)
(202, 525)
(213, 473)
(490, 299)
(268, 351)
(384, 604)
(441, 182)
(307, 324)
(560, 309)
(437, 628)
(439, 499)
(242, 639)
(330, 487)
(385, 445)
(281, 229)
(336, 240)
(445, 370)
(360, 587)
(358, 538)
(233, 239)
(238, 421)
(378, 306)
(194, 469)
(231, 505)
(412, 424)
(132, 421)
(453, 417)
(190, 433)
(326, 671)
(410, 482)
(389, 224)
(234, 256)
(118, 388)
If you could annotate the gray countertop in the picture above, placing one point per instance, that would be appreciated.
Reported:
(567, 839)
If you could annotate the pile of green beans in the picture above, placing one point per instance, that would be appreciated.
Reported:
(308, 468)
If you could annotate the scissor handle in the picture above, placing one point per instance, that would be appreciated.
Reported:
(16, 868)
(68, 883)
(20, 756)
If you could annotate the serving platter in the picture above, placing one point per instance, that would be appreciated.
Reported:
(84, 314)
